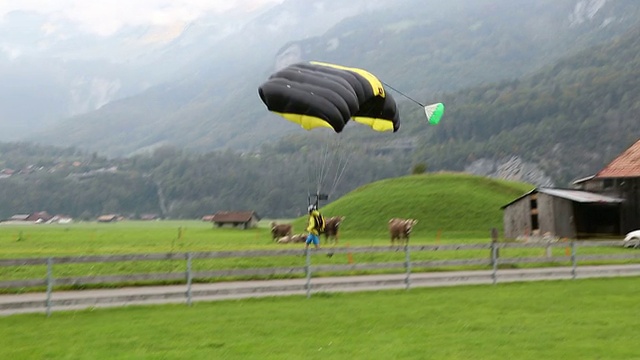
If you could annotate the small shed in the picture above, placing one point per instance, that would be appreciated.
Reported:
(149, 217)
(245, 219)
(562, 213)
(108, 218)
(19, 217)
(36, 218)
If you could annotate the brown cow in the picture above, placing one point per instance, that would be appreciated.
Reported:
(280, 230)
(400, 229)
(331, 228)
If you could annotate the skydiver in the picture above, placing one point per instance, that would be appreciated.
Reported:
(312, 228)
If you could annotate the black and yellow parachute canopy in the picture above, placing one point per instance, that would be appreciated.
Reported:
(315, 94)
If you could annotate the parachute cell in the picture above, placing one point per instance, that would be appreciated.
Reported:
(317, 94)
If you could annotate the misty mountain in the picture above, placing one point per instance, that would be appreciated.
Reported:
(54, 71)
(419, 50)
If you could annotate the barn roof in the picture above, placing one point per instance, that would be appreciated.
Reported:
(234, 216)
(625, 165)
(579, 196)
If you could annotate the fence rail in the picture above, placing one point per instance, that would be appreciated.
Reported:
(407, 268)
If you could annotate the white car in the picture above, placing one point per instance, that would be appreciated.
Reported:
(632, 239)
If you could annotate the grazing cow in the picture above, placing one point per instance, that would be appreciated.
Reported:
(331, 228)
(280, 230)
(400, 229)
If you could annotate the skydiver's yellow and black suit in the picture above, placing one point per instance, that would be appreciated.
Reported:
(312, 228)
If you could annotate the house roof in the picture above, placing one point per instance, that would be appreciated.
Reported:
(579, 196)
(234, 216)
(625, 165)
(583, 180)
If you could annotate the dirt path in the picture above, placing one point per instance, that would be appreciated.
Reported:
(74, 300)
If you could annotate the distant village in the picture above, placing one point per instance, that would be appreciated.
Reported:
(42, 217)
(30, 169)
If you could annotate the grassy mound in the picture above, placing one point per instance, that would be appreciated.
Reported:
(442, 201)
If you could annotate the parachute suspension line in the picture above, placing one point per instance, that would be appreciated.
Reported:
(308, 179)
(323, 168)
(341, 166)
(315, 168)
(339, 173)
(328, 161)
(401, 93)
(336, 146)
(318, 165)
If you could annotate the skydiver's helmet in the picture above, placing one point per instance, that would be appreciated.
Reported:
(311, 208)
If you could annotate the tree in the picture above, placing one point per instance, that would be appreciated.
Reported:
(419, 168)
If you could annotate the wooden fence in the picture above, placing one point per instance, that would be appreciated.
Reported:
(491, 260)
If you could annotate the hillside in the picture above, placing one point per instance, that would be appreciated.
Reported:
(570, 118)
(409, 45)
(444, 201)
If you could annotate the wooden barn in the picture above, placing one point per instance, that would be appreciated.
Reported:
(244, 219)
(562, 213)
(605, 204)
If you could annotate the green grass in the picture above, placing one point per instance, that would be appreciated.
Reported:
(584, 319)
(125, 237)
(162, 237)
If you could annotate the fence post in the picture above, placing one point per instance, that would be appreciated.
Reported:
(307, 269)
(548, 251)
(494, 262)
(189, 278)
(407, 265)
(49, 284)
(574, 260)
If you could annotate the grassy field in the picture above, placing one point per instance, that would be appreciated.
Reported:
(585, 319)
(163, 237)
(450, 208)
(125, 237)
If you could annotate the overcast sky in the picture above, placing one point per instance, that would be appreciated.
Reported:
(104, 17)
